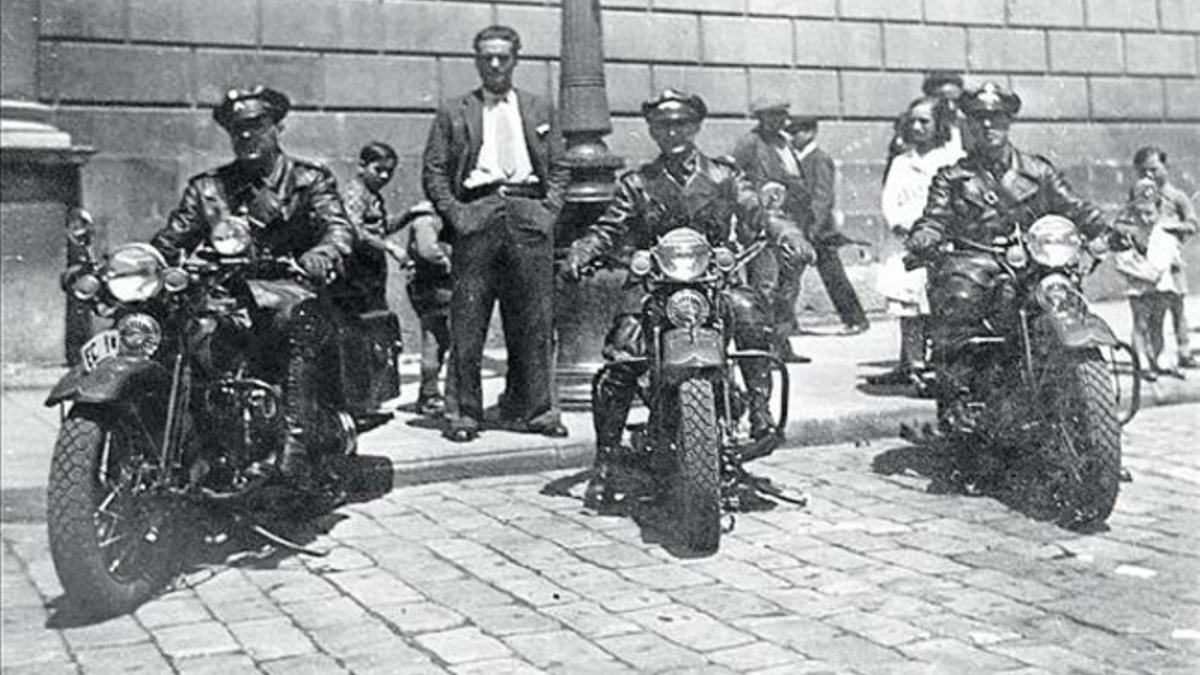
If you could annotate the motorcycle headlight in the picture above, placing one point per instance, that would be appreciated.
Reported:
(724, 258)
(683, 254)
(140, 336)
(1054, 241)
(231, 236)
(687, 308)
(1055, 293)
(175, 279)
(134, 273)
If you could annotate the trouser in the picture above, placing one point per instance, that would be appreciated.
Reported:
(1179, 324)
(1149, 310)
(837, 285)
(618, 383)
(779, 282)
(504, 253)
(435, 343)
(913, 336)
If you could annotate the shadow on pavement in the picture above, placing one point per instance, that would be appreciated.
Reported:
(210, 539)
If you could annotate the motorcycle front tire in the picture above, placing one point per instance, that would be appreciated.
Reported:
(1086, 409)
(94, 444)
(698, 478)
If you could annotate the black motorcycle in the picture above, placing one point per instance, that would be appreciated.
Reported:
(695, 441)
(1026, 385)
(175, 407)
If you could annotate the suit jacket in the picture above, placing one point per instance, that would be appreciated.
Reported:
(760, 161)
(818, 174)
(453, 149)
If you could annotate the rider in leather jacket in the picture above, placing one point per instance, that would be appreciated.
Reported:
(993, 191)
(682, 187)
(293, 208)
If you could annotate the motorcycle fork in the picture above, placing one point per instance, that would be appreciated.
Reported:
(178, 402)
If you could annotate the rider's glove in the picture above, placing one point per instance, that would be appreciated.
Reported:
(796, 248)
(319, 265)
(922, 241)
(570, 268)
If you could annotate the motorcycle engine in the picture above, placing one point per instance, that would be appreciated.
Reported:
(246, 420)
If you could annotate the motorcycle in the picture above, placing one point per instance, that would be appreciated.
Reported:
(693, 441)
(1026, 398)
(174, 407)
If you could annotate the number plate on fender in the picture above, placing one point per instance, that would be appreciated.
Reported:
(685, 349)
(103, 345)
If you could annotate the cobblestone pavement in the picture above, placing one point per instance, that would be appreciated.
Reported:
(877, 575)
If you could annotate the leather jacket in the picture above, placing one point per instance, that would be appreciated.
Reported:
(974, 202)
(296, 209)
(649, 202)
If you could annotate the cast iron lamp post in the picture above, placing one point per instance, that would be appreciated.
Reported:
(582, 311)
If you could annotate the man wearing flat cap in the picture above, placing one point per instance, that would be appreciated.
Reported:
(291, 208)
(765, 156)
(682, 187)
(993, 190)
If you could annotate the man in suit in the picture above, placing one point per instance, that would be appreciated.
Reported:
(765, 156)
(491, 171)
(817, 175)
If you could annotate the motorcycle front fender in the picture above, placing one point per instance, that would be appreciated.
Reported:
(1076, 330)
(112, 379)
(686, 348)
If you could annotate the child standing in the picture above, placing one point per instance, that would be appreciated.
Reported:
(364, 287)
(1153, 269)
(1151, 163)
(429, 291)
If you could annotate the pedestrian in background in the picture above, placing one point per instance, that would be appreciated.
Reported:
(765, 155)
(429, 291)
(1153, 271)
(927, 137)
(818, 175)
(1151, 162)
(493, 175)
(363, 287)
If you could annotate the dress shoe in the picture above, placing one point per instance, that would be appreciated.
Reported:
(551, 430)
(1171, 372)
(460, 434)
(1188, 361)
(855, 328)
(895, 377)
(433, 406)
(1148, 376)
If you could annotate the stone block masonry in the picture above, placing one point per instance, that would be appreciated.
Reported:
(137, 78)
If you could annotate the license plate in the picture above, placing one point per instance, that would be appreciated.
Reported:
(103, 345)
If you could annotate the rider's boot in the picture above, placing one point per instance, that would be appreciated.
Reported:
(762, 423)
(599, 488)
(300, 414)
(612, 395)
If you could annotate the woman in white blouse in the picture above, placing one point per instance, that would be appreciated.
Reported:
(931, 144)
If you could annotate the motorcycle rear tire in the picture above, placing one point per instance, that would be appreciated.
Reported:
(74, 496)
(1087, 409)
(698, 479)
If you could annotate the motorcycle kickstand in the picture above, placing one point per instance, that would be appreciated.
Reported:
(277, 539)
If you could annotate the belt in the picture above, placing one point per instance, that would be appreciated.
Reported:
(527, 190)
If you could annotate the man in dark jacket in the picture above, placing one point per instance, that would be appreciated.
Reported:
(289, 207)
(818, 176)
(991, 192)
(765, 155)
(491, 172)
(681, 188)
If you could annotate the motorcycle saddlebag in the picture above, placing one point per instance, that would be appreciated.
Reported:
(369, 347)
(963, 287)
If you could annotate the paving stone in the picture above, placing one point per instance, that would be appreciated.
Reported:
(141, 657)
(292, 585)
(918, 560)
(316, 664)
(256, 606)
(186, 609)
(592, 620)
(536, 591)
(503, 620)
(614, 555)
(738, 574)
(420, 617)
(374, 587)
(1052, 658)
(320, 613)
(462, 645)
(727, 604)
(270, 639)
(33, 648)
(558, 649)
(688, 627)
(648, 652)
(217, 664)
(389, 656)
(956, 654)
(118, 630)
(665, 577)
(754, 656)
(195, 639)
(499, 666)
(461, 593)
(877, 628)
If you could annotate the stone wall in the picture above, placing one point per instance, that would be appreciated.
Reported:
(137, 79)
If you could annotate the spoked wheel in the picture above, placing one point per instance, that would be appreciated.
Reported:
(1084, 442)
(698, 480)
(106, 529)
